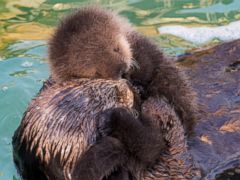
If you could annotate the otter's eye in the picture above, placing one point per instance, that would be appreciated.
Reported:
(116, 49)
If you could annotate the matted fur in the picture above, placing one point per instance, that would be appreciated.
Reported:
(175, 162)
(61, 122)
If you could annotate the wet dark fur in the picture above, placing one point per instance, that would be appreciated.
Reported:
(109, 140)
(124, 144)
(158, 76)
(174, 162)
(131, 142)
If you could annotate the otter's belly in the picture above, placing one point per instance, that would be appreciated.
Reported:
(61, 122)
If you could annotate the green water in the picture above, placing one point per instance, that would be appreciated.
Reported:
(26, 25)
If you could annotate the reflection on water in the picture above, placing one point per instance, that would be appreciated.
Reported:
(26, 25)
(218, 7)
(201, 35)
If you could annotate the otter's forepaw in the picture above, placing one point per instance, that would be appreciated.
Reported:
(103, 123)
(116, 122)
(109, 121)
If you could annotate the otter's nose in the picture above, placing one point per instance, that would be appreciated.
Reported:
(123, 74)
(121, 69)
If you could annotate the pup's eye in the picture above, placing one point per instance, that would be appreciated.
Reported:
(116, 49)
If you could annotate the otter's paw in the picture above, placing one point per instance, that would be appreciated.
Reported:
(110, 120)
(117, 122)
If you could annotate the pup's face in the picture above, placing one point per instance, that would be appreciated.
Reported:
(90, 44)
(116, 58)
(102, 56)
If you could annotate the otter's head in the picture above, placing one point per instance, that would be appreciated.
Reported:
(90, 43)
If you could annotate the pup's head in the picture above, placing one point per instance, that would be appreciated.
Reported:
(90, 43)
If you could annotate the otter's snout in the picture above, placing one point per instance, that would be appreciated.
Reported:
(120, 70)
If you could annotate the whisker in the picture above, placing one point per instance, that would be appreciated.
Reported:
(134, 64)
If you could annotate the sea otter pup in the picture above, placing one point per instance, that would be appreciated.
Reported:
(81, 126)
(151, 71)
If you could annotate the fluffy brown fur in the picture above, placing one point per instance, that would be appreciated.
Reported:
(97, 36)
(90, 43)
(59, 136)
(66, 132)
(159, 76)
